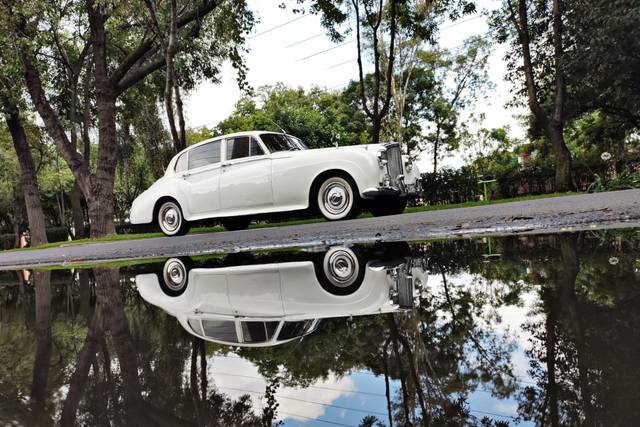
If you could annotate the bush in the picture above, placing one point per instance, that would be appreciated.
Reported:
(57, 234)
(624, 181)
(450, 186)
(7, 241)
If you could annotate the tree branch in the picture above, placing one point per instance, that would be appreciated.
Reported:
(124, 76)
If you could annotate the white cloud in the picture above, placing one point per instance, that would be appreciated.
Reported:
(235, 377)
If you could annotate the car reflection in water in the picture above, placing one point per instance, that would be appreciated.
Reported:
(260, 302)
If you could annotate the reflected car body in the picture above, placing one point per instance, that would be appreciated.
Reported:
(254, 173)
(270, 304)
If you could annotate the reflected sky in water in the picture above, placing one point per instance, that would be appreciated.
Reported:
(537, 330)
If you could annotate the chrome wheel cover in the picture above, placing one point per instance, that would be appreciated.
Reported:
(175, 274)
(341, 266)
(335, 198)
(170, 218)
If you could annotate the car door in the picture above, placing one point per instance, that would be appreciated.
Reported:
(245, 179)
(202, 179)
(254, 290)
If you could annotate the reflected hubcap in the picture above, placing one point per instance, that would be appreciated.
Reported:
(341, 266)
(175, 274)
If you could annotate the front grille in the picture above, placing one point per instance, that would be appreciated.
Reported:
(394, 165)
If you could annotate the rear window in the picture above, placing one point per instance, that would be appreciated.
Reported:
(195, 326)
(181, 163)
(204, 155)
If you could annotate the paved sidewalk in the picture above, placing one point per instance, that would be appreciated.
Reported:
(620, 209)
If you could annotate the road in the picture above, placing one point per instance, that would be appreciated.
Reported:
(619, 209)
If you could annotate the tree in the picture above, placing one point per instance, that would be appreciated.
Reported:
(10, 106)
(602, 63)
(318, 117)
(464, 76)
(377, 24)
(537, 34)
(117, 52)
(29, 180)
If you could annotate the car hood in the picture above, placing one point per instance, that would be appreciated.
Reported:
(372, 148)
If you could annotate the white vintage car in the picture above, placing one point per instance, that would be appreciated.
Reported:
(243, 175)
(272, 303)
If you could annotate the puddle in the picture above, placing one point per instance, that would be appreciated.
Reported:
(528, 330)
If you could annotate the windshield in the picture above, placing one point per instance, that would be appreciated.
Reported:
(295, 329)
(280, 142)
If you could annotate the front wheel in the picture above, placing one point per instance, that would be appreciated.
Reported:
(340, 271)
(388, 207)
(236, 223)
(171, 220)
(337, 199)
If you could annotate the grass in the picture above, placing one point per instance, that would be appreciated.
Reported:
(215, 229)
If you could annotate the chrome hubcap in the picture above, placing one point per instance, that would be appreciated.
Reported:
(341, 266)
(175, 274)
(336, 198)
(170, 218)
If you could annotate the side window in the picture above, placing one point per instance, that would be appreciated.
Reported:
(258, 331)
(243, 146)
(256, 150)
(222, 330)
(204, 155)
(195, 325)
(181, 163)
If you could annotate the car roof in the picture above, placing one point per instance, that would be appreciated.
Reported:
(229, 135)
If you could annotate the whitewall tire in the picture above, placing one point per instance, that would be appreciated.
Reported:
(170, 219)
(337, 199)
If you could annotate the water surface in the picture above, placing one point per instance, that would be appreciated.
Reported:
(530, 331)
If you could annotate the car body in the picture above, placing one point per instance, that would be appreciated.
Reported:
(242, 175)
(267, 304)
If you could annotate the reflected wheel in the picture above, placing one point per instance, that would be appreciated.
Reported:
(384, 207)
(236, 223)
(340, 271)
(175, 276)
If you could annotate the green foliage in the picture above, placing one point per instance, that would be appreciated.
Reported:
(318, 117)
(54, 178)
(450, 186)
(626, 180)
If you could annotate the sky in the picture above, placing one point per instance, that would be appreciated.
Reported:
(299, 54)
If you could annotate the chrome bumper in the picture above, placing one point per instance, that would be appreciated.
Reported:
(389, 191)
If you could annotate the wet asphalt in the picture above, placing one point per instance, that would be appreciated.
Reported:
(620, 209)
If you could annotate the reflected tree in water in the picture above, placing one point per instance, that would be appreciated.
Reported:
(586, 343)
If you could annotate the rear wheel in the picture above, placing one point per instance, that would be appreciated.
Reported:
(175, 276)
(236, 223)
(171, 220)
(337, 198)
(384, 207)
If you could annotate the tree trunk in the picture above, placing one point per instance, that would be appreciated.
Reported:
(75, 197)
(42, 284)
(552, 387)
(101, 200)
(563, 178)
(436, 148)
(29, 178)
(375, 130)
